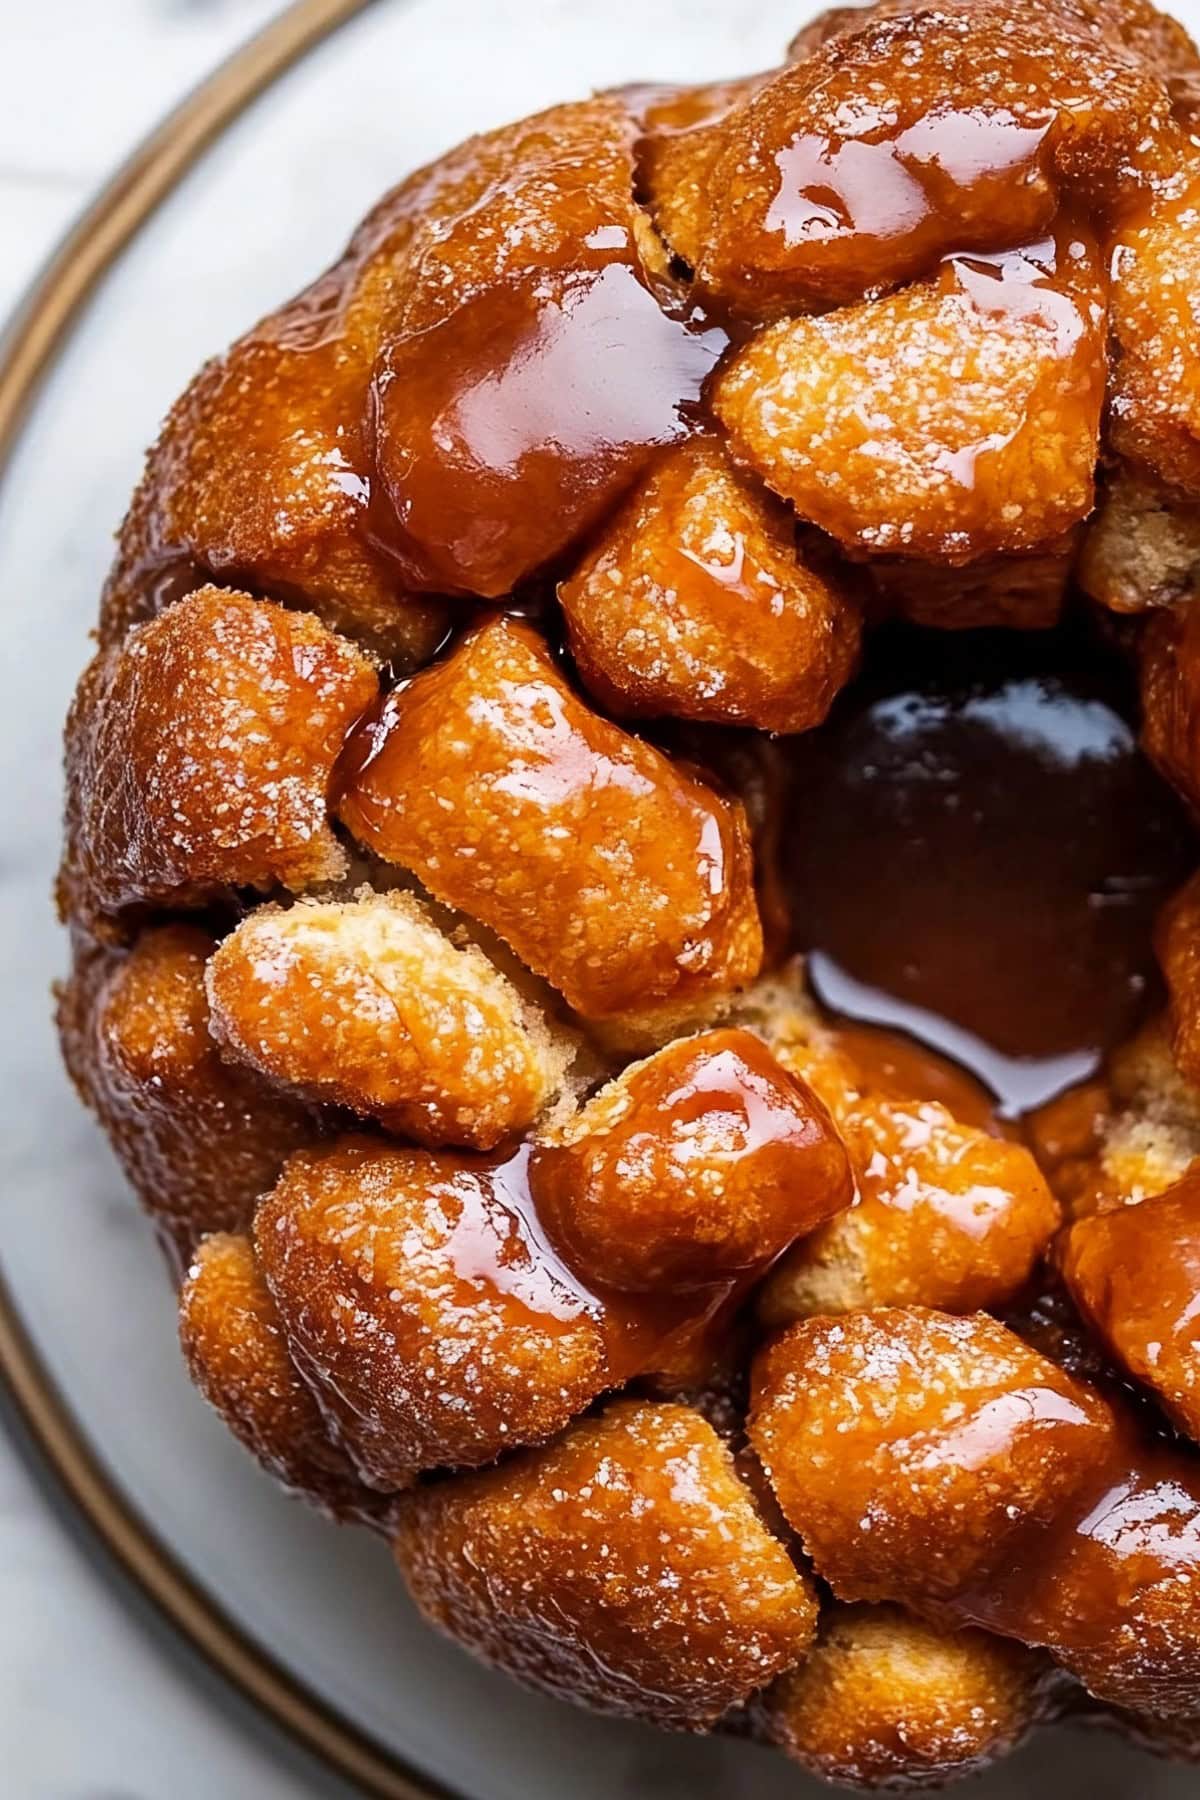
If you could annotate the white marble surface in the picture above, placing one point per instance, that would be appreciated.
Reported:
(97, 1702)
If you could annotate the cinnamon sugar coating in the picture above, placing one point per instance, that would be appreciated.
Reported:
(957, 418)
(199, 1141)
(367, 1004)
(199, 754)
(907, 1447)
(237, 1356)
(617, 875)
(885, 1700)
(698, 602)
(624, 1567)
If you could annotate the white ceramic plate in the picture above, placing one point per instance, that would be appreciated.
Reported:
(268, 205)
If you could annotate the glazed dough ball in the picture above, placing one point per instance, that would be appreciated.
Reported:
(955, 419)
(365, 485)
(907, 1447)
(832, 179)
(698, 602)
(884, 1700)
(199, 756)
(1111, 1141)
(698, 1164)
(946, 1215)
(530, 372)
(624, 1567)
(620, 878)
(1155, 400)
(1134, 1273)
(422, 1304)
(946, 1212)
(1112, 1588)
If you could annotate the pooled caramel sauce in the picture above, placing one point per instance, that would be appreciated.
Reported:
(975, 850)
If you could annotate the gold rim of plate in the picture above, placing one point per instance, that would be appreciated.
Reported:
(35, 337)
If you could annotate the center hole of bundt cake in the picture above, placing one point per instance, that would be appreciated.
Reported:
(976, 849)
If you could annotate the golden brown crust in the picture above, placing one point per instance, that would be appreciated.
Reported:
(369, 1005)
(199, 754)
(235, 1350)
(198, 1141)
(697, 602)
(907, 1447)
(957, 418)
(423, 1307)
(620, 877)
(623, 1567)
(884, 1700)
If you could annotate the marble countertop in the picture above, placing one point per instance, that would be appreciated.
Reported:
(98, 1700)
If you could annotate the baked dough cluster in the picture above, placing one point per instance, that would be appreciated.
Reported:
(702, 1362)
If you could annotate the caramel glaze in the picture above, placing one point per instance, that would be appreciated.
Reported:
(505, 1246)
(515, 424)
(977, 850)
(1108, 1580)
(514, 1237)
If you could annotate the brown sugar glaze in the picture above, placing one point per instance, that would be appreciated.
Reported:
(676, 1331)
(519, 421)
(977, 850)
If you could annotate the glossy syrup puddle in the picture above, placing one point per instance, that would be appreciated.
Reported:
(975, 850)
